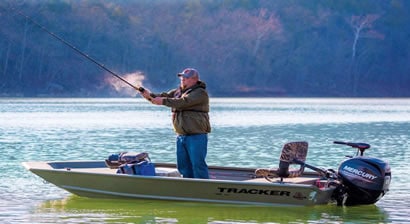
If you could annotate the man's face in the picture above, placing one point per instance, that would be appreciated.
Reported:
(188, 82)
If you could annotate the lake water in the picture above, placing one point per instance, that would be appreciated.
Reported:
(247, 132)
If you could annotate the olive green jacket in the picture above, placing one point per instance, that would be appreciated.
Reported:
(190, 109)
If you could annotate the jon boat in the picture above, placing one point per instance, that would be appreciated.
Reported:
(359, 180)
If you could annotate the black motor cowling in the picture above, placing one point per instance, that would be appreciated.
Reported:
(364, 180)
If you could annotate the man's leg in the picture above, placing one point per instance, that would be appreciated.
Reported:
(183, 162)
(197, 148)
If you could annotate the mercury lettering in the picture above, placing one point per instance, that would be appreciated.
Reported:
(359, 172)
(253, 191)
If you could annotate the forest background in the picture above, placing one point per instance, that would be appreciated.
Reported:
(287, 48)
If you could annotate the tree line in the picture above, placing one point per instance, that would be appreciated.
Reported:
(241, 48)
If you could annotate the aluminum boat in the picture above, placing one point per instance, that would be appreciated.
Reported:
(359, 180)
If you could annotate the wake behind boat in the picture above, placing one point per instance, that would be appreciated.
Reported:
(359, 180)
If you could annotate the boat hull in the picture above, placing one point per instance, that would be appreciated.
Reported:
(226, 185)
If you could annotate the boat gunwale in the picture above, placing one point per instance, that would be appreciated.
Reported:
(48, 167)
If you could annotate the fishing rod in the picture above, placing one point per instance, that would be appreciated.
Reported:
(138, 88)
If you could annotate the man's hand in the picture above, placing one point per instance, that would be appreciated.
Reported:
(157, 100)
(146, 94)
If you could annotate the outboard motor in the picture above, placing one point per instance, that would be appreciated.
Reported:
(364, 180)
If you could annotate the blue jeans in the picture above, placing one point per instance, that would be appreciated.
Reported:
(191, 153)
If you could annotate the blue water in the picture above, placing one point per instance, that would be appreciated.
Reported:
(246, 132)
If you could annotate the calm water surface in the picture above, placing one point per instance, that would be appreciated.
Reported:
(246, 132)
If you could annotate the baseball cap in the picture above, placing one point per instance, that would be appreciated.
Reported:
(188, 73)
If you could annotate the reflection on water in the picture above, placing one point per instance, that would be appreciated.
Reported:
(75, 209)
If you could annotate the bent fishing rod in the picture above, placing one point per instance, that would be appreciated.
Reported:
(138, 88)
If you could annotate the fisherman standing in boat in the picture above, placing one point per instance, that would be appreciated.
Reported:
(190, 107)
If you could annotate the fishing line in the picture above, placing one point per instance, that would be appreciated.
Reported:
(138, 88)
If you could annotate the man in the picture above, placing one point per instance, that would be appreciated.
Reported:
(190, 119)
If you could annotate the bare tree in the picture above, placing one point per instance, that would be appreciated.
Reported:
(264, 24)
(362, 27)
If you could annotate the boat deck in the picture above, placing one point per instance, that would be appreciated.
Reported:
(170, 170)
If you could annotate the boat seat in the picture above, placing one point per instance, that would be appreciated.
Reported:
(290, 152)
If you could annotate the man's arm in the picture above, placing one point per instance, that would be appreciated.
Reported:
(156, 98)
(195, 97)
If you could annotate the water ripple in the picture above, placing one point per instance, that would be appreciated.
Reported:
(246, 132)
